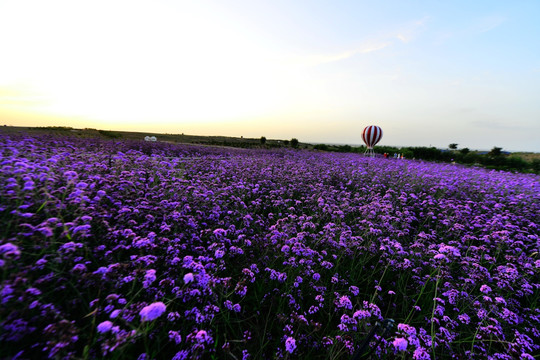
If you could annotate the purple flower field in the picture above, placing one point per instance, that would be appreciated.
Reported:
(137, 250)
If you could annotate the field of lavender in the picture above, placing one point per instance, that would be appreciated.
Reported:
(134, 250)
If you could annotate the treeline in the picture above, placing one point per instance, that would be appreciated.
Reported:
(72, 131)
(494, 159)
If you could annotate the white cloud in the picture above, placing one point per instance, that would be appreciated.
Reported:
(402, 37)
(489, 23)
(405, 33)
(319, 59)
(411, 30)
(374, 47)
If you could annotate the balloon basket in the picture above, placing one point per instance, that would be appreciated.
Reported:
(369, 152)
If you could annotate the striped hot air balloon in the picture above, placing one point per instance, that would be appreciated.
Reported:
(371, 135)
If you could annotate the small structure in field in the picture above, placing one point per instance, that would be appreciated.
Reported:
(371, 135)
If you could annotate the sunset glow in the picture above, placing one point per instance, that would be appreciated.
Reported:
(319, 72)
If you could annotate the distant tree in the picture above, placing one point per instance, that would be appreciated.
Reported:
(286, 142)
(516, 163)
(294, 143)
(322, 147)
(263, 140)
(535, 165)
(471, 158)
(465, 151)
(384, 149)
(344, 148)
(426, 153)
(408, 154)
(496, 151)
(453, 146)
(110, 134)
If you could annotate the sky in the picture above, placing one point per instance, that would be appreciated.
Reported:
(429, 73)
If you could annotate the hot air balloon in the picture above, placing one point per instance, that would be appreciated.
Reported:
(371, 135)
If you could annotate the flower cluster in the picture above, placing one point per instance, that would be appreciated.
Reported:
(145, 250)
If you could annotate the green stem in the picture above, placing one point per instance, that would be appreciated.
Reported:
(476, 332)
(417, 298)
(433, 313)
(379, 284)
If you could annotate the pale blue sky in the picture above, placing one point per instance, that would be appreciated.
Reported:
(427, 72)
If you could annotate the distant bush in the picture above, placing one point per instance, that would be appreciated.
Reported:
(56, 128)
(535, 165)
(345, 148)
(426, 153)
(471, 158)
(516, 163)
(322, 147)
(407, 153)
(386, 149)
(110, 134)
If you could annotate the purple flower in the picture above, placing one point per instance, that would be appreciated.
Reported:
(500, 300)
(81, 228)
(29, 185)
(105, 326)
(175, 336)
(290, 344)
(203, 337)
(152, 311)
(46, 231)
(509, 316)
(441, 257)
(344, 302)
(361, 314)
(219, 253)
(81, 185)
(9, 250)
(400, 344)
(33, 291)
(70, 247)
(464, 318)
(149, 278)
(181, 355)
(485, 289)
(79, 268)
(421, 354)
(188, 278)
(220, 233)
(407, 329)
(70, 175)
